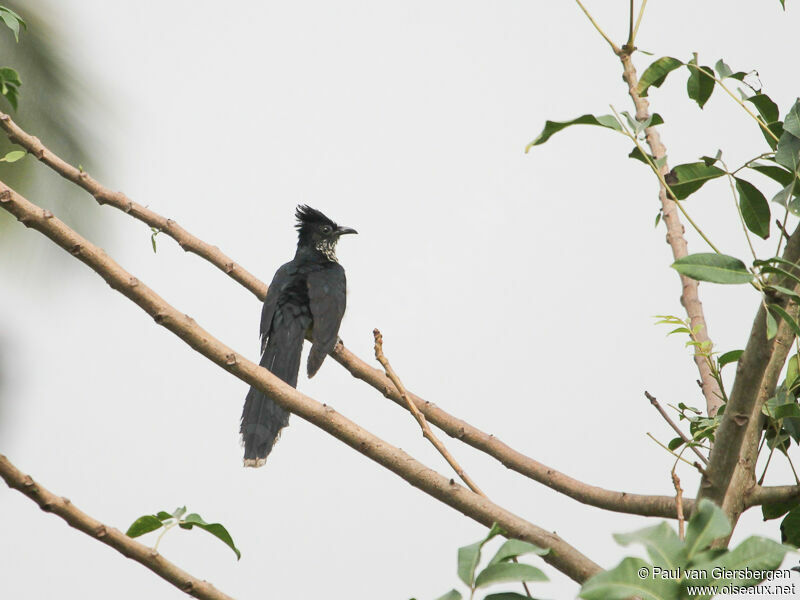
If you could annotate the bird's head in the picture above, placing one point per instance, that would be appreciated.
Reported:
(317, 231)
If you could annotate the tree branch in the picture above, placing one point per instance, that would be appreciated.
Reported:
(109, 536)
(731, 471)
(689, 294)
(645, 505)
(768, 495)
(563, 557)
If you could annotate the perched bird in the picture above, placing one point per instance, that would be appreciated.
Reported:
(306, 296)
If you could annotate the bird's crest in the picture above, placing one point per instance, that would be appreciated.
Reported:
(308, 217)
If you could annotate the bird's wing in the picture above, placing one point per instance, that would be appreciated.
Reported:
(279, 281)
(327, 297)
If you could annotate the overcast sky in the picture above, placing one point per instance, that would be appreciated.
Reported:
(516, 291)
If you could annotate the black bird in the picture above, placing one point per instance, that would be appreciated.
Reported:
(307, 295)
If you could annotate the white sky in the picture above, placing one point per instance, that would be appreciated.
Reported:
(516, 291)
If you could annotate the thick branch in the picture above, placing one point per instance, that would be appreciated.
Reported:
(109, 536)
(730, 473)
(689, 295)
(771, 494)
(563, 557)
(656, 506)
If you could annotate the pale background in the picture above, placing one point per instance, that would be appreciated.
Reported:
(516, 291)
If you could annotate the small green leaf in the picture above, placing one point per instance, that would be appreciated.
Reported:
(142, 525)
(755, 208)
(214, 529)
(656, 73)
(507, 596)
(716, 268)
(675, 443)
(787, 153)
(777, 509)
(756, 554)
(729, 357)
(624, 581)
(701, 82)
(786, 291)
(164, 515)
(765, 106)
(552, 127)
(179, 512)
(686, 179)
(725, 72)
(451, 595)
(663, 546)
(513, 548)
(708, 523)
(469, 556)
(791, 122)
(508, 571)
(12, 21)
(13, 156)
(775, 173)
(778, 310)
(772, 326)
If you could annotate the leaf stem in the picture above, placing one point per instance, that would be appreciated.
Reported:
(614, 47)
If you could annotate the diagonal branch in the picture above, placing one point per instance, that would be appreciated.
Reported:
(690, 298)
(563, 557)
(109, 536)
(657, 506)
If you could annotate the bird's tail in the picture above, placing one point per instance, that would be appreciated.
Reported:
(262, 417)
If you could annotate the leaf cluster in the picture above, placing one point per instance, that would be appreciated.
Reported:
(676, 564)
(163, 519)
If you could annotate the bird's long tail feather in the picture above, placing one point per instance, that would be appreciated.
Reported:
(262, 417)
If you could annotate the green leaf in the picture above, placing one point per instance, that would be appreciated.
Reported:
(656, 73)
(757, 554)
(716, 268)
(707, 524)
(755, 208)
(508, 571)
(724, 71)
(451, 595)
(506, 596)
(12, 21)
(214, 529)
(777, 309)
(772, 326)
(701, 82)
(469, 556)
(786, 291)
(623, 582)
(765, 107)
(791, 122)
(729, 357)
(13, 156)
(675, 443)
(663, 546)
(787, 153)
(552, 127)
(778, 174)
(164, 515)
(179, 512)
(513, 548)
(777, 509)
(780, 271)
(142, 525)
(792, 371)
(686, 179)
(790, 527)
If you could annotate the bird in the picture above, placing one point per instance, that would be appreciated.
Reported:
(307, 296)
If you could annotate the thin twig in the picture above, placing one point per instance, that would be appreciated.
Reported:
(128, 547)
(597, 27)
(695, 464)
(638, 22)
(423, 423)
(689, 443)
(678, 502)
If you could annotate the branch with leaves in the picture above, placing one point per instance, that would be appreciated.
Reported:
(125, 545)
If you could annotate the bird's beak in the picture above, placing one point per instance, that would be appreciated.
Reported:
(344, 230)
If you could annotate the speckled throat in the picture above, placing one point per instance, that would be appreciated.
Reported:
(328, 249)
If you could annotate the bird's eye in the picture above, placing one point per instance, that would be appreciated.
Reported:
(326, 229)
